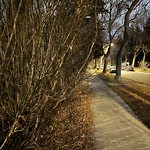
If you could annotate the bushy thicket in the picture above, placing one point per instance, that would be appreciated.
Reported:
(44, 49)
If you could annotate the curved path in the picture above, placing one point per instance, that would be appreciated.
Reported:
(115, 125)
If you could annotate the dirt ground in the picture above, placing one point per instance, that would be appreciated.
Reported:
(72, 128)
(136, 95)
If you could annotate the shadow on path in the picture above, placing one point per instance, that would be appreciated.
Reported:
(115, 125)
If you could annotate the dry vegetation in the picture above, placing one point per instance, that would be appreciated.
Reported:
(44, 49)
(135, 95)
(73, 126)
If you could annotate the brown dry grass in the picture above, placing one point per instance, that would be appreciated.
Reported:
(71, 125)
(72, 128)
(135, 95)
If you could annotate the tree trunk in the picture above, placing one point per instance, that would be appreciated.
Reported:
(126, 60)
(95, 63)
(119, 58)
(143, 61)
(101, 62)
(105, 64)
(106, 58)
(133, 61)
(134, 57)
(118, 68)
(125, 40)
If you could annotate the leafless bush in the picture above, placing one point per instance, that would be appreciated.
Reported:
(44, 48)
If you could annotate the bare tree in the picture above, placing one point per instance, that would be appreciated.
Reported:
(45, 47)
(137, 51)
(141, 38)
(111, 24)
(146, 44)
(125, 39)
(145, 51)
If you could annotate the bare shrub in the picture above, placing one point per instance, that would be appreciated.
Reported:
(44, 49)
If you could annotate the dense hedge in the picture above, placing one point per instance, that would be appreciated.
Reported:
(44, 50)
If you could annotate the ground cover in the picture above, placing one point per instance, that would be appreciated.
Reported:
(140, 69)
(73, 123)
(72, 129)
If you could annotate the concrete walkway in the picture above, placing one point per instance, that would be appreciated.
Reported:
(115, 125)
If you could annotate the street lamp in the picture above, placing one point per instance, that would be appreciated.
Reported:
(107, 46)
(112, 44)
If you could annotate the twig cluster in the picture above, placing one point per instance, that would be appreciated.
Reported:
(44, 49)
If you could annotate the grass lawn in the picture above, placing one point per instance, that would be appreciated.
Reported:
(139, 69)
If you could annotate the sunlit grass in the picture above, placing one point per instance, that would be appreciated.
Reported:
(139, 69)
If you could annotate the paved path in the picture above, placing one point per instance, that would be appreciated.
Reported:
(115, 125)
(137, 76)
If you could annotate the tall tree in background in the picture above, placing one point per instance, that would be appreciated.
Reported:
(125, 38)
(135, 42)
(147, 27)
(111, 24)
(146, 42)
(97, 52)
(138, 42)
(137, 32)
